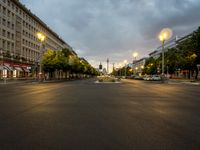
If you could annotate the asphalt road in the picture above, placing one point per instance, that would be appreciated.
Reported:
(82, 115)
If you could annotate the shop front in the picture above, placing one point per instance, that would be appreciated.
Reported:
(14, 70)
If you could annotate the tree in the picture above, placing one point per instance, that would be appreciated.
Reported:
(190, 51)
(173, 60)
(151, 66)
(65, 61)
(47, 63)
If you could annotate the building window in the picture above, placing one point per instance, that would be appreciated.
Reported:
(8, 24)
(13, 26)
(9, 3)
(13, 16)
(4, 10)
(4, 33)
(12, 47)
(4, 22)
(8, 35)
(13, 7)
(12, 36)
(4, 44)
(8, 45)
(8, 13)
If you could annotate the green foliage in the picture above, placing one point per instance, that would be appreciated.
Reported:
(66, 52)
(151, 66)
(48, 62)
(64, 60)
(123, 71)
(173, 60)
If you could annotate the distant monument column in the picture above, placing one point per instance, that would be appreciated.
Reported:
(100, 66)
(107, 66)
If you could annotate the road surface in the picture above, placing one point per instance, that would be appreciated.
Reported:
(83, 115)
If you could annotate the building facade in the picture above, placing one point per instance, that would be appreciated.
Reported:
(20, 48)
(138, 65)
(168, 44)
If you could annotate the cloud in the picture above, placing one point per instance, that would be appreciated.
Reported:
(115, 28)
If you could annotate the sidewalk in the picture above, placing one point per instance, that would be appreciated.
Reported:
(17, 81)
(22, 81)
(184, 81)
(169, 81)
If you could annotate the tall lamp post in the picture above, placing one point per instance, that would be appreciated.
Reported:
(164, 35)
(135, 54)
(125, 63)
(120, 65)
(107, 66)
(41, 37)
(2, 66)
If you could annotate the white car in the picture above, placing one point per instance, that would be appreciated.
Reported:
(156, 78)
(148, 78)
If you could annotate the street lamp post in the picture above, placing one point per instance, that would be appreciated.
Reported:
(2, 66)
(164, 35)
(125, 63)
(41, 37)
(107, 66)
(3, 70)
(163, 59)
(142, 68)
(120, 65)
(135, 54)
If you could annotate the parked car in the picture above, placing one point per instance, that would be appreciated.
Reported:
(156, 78)
(148, 78)
(138, 78)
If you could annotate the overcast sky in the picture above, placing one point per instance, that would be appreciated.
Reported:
(114, 29)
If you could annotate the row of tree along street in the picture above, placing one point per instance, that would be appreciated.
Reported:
(64, 64)
(124, 71)
(184, 57)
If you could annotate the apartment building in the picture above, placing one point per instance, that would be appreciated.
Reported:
(20, 48)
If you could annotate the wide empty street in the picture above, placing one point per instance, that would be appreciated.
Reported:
(83, 115)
